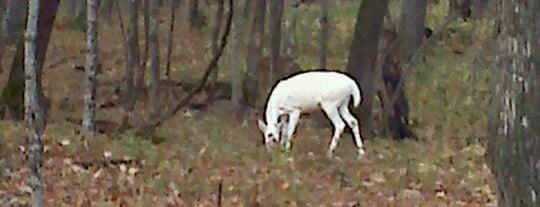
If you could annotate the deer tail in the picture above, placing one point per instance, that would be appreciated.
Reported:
(357, 96)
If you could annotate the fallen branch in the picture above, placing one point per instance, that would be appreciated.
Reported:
(211, 66)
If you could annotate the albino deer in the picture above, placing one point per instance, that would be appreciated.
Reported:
(305, 92)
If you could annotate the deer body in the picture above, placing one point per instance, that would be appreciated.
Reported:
(308, 91)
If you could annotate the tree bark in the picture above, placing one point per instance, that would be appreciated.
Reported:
(325, 33)
(276, 16)
(514, 121)
(153, 60)
(89, 114)
(362, 54)
(215, 37)
(255, 47)
(34, 112)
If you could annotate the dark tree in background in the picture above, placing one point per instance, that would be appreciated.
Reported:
(410, 37)
(254, 54)
(514, 117)
(362, 54)
(153, 60)
(275, 20)
(133, 65)
(218, 21)
(325, 33)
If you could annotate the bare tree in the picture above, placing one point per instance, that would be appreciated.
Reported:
(153, 59)
(215, 38)
(362, 54)
(255, 47)
(514, 122)
(276, 16)
(34, 112)
(89, 114)
(325, 33)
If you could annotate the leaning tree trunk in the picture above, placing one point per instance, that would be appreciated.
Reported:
(153, 60)
(255, 47)
(276, 16)
(362, 54)
(514, 118)
(325, 33)
(215, 36)
(89, 115)
(34, 112)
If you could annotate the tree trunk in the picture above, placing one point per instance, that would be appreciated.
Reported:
(362, 54)
(13, 93)
(276, 14)
(235, 68)
(34, 112)
(411, 29)
(173, 7)
(215, 36)
(325, 33)
(13, 21)
(139, 77)
(196, 16)
(89, 115)
(291, 48)
(514, 118)
(255, 47)
(153, 60)
(133, 66)
(2, 10)
(106, 9)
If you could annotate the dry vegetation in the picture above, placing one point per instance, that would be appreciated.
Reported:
(188, 158)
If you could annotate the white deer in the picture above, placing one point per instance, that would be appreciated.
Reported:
(305, 92)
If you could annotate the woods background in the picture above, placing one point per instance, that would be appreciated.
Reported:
(147, 102)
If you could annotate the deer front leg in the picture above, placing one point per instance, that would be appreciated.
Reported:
(290, 127)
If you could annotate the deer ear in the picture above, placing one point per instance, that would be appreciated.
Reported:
(262, 126)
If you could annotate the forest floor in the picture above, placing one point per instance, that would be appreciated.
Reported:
(200, 159)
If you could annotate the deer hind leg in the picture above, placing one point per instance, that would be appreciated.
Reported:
(290, 126)
(333, 114)
(352, 122)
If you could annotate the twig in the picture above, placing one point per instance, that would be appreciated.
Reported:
(220, 192)
(211, 66)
